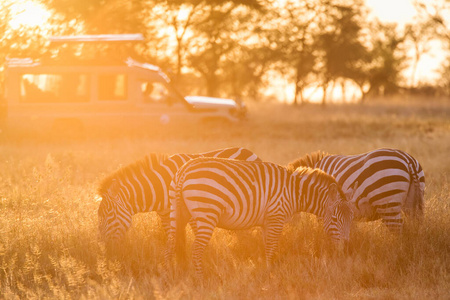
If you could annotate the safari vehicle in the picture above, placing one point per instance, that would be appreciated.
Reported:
(50, 93)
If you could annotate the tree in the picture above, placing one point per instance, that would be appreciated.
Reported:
(436, 13)
(244, 69)
(163, 22)
(221, 32)
(19, 42)
(340, 42)
(419, 34)
(444, 81)
(102, 16)
(294, 32)
(388, 59)
(183, 15)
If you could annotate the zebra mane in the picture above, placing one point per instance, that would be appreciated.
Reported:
(308, 160)
(148, 162)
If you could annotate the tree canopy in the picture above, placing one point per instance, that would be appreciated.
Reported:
(228, 47)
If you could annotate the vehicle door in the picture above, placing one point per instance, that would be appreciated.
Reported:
(159, 101)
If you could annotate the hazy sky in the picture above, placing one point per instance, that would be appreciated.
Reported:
(403, 11)
(400, 11)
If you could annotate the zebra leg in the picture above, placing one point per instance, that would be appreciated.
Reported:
(168, 256)
(165, 220)
(173, 238)
(394, 225)
(271, 233)
(203, 232)
(170, 247)
(392, 218)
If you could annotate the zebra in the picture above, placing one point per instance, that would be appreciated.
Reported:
(143, 186)
(217, 192)
(385, 183)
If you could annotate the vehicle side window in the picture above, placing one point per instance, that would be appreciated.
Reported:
(154, 92)
(54, 88)
(112, 87)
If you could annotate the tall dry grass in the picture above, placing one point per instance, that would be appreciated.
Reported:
(48, 213)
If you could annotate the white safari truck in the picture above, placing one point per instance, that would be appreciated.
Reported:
(128, 92)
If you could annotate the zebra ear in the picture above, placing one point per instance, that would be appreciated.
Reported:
(332, 188)
(353, 207)
(351, 191)
(333, 192)
(113, 188)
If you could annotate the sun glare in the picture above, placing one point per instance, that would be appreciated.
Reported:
(398, 11)
(28, 13)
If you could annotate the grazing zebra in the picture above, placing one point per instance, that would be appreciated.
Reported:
(230, 194)
(143, 186)
(385, 182)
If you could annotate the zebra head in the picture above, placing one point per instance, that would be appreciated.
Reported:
(338, 215)
(323, 197)
(113, 218)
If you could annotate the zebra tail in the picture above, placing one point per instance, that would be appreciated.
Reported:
(415, 199)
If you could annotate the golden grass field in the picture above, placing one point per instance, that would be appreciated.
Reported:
(48, 213)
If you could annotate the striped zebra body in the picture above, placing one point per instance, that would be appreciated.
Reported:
(385, 182)
(230, 194)
(143, 186)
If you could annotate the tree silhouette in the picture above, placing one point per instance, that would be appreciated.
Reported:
(419, 34)
(340, 43)
(295, 40)
(102, 16)
(435, 14)
(232, 45)
(388, 60)
(220, 33)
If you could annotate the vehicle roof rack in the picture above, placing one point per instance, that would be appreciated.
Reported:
(21, 62)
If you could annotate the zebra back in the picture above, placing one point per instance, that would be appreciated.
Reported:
(147, 180)
(129, 176)
(246, 191)
(233, 153)
(115, 211)
(174, 162)
(232, 185)
(388, 180)
(144, 185)
(231, 194)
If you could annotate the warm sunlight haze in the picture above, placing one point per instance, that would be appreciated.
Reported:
(28, 13)
(403, 12)
(397, 11)
(257, 149)
(400, 12)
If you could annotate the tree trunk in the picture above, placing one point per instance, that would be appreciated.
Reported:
(324, 98)
(344, 97)
(297, 88)
(179, 60)
(302, 98)
(363, 94)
